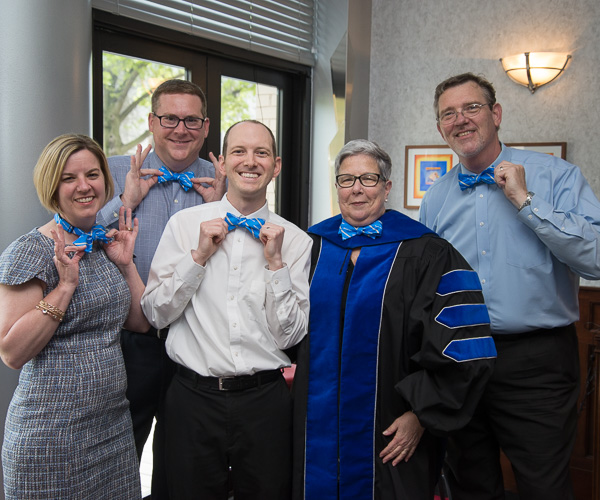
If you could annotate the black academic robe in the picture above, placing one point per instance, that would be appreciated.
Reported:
(404, 329)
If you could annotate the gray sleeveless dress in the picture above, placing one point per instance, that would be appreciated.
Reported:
(68, 430)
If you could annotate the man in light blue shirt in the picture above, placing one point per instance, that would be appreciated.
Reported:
(529, 224)
(172, 177)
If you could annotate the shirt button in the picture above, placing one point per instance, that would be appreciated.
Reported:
(276, 282)
(481, 196)
(231, 297)
(235, 268)
(234, 325)
(482, 224)
(530, 216)
(175, 200)
(483, 281)
(562, 228)
(115, 214)
(483, 252)
(535, 209)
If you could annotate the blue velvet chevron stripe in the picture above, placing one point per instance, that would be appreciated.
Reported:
(341, 398)
(471, 349)
(460, 280)
(463, 315)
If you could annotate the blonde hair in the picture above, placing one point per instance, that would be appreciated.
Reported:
(51, 163)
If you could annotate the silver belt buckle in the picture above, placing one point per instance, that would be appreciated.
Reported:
(221, 379)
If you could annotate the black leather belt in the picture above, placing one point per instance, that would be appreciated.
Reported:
(161, 333)
(239, 383)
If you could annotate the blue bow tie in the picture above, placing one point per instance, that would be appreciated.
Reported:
(372, 230)
(467, 180)
(252, 225)
(98, 233)
(185, 179)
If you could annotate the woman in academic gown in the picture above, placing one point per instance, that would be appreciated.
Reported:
(399, 348)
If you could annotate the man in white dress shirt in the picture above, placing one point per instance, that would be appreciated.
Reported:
(235, 292)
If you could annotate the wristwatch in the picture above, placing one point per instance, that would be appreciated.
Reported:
(527, 201)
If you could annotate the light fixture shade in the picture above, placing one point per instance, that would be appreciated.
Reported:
(534, 69)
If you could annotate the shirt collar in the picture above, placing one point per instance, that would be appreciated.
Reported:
(226, 206)
(503, 156)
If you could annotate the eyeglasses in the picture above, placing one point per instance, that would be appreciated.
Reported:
(348, 180)
(470, 111)
(172, 121)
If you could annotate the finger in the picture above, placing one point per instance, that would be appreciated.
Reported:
(214, 159)
(203, 180)
(399, 458)
(134, 164)
(145, 152)
(136, 227)
(150, 171)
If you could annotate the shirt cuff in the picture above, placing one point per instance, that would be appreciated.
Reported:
(278, 281)
(189, 271)
(109, 214)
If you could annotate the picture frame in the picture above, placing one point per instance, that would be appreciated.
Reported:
(552, 148)
(423, 165)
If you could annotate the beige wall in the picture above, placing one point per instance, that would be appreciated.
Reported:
(418, 43)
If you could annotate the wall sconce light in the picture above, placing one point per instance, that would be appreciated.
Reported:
(534, 69)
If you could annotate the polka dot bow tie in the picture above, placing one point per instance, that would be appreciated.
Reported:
(372, 230)
(252, 225)
(184, 179)
(467, 180)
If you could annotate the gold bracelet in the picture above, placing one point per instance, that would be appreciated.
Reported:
(49, 309)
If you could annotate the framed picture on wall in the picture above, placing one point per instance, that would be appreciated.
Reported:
(552, 148)
(423, 165)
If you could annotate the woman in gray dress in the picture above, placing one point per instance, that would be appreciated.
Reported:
(66, 288)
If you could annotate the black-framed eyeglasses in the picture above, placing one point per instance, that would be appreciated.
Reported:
(450, 116)
(348, 180)
(172, 121)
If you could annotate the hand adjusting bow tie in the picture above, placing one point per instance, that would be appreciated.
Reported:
(252, 225)
(98, 233)
(185, 179)
(467, 180)
(373, 230)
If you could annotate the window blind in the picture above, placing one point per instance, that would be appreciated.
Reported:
(280, 28)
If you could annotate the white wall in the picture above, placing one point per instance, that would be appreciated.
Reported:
(44, 91)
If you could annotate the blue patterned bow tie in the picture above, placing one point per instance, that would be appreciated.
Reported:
(467, 180)
(372, 230)
(252, 225)
(185, 179)
(98, 233)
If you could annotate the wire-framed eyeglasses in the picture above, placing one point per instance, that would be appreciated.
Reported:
(470, 111)
(172, 121)
(348, 180)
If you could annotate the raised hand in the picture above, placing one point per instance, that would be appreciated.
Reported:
(216, 187)
(510, 177)
(66, 259)
(136, 188)
(271, 236)
(120, 249)
(212, 234)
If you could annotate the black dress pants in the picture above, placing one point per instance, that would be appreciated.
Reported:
(210, 431)
(529, 410)
(149, 373)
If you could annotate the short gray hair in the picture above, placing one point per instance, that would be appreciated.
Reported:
(368, 148)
